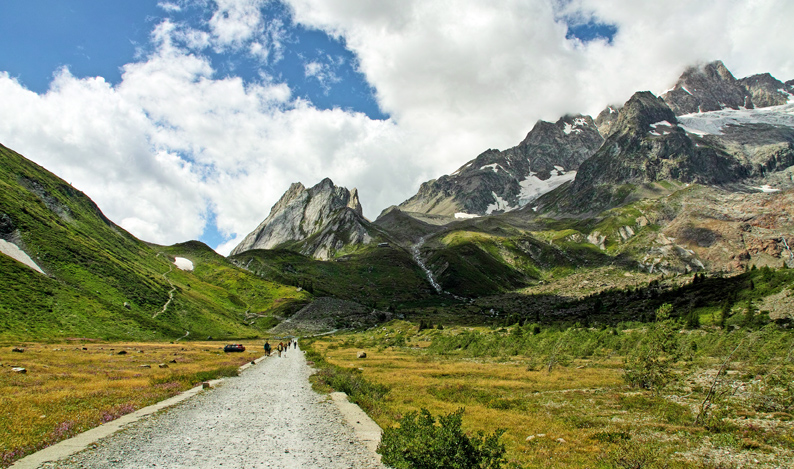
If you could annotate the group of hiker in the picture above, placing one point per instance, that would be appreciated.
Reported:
(281, 347)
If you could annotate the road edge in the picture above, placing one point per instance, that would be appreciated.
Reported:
(366, 430)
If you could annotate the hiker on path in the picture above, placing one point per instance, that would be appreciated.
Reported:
(267, 348)
(280, 347)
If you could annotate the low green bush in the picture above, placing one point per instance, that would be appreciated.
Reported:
(423, 442)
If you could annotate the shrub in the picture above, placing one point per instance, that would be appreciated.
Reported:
(649, 364)
(774, 392)
(350, 381)
(422, 442)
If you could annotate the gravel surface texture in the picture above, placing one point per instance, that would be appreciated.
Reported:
(267, 417)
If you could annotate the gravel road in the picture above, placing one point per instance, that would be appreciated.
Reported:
(267, 417)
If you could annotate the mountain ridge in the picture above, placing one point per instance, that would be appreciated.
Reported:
(317, 222)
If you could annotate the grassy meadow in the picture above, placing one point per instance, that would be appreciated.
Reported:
(563, 397)
(70, 387)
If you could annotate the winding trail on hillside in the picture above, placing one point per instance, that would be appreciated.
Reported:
(170, 293)
(267, 417)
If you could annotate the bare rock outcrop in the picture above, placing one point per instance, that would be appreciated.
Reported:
(316, 222)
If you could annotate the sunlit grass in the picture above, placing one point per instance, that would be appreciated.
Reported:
(71, 387)
(496, 394)
(581, 414)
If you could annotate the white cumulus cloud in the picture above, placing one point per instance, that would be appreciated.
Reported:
(174, 144)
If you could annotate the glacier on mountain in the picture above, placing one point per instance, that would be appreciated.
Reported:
(713, 122)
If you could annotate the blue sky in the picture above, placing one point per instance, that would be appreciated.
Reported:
(187, 119)
(97, 37)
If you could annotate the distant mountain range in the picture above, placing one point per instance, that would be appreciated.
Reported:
(699, 179)
(653, 185)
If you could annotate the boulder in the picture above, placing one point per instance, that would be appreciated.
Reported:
(362, 355)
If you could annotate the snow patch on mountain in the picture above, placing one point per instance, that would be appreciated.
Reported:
(659, 132)
(493, 166)
(703, 123)
(499, 204)
(12, 250)
(183, 264)
(465, 216)
(534, 187)
(576, 127)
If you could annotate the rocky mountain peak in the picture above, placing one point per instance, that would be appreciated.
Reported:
(645, 145)
(354, 204)
(606, 118)
(641, 112)
(767, 90)
(709, 87)
(497, 181)
(330, 215)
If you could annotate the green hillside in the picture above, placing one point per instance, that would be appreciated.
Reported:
(101, 282)
(380, 277)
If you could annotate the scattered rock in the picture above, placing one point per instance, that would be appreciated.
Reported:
(17, 349)
(205, 385)
(362, 355)
(145, 366)
(163, 365)
(173, 361)
(123, 352)
(18, 369)
(560, 440)
(127, 305)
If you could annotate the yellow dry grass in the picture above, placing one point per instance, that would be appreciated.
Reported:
(71, 387)
(581, 404)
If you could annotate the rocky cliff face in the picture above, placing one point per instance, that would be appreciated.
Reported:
(316, 222)
(646, 144)
(710, 128)
(712, 87)
(606, 118)
(497, 181)
(709, 87)
(766, 90)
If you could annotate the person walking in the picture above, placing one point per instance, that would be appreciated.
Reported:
(280, 347)
(267, 348)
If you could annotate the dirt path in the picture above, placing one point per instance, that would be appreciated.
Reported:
(267, 417)
(173, 288)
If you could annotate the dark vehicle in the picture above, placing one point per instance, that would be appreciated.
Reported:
(234, 348)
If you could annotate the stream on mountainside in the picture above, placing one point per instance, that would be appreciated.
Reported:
(418, 259)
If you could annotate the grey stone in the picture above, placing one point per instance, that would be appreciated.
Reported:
(322, 219)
